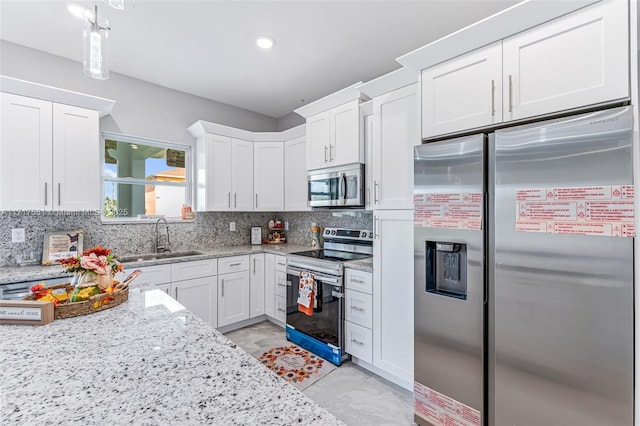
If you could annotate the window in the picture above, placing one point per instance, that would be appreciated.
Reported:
(144, 177)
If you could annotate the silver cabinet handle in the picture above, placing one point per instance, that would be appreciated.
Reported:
(256, 200)
(176, 292)
(357, 342)
(237, 264)
(254, 266)
(281, 310)
(325, 153)
(353, 280)
(223, 287)
(355, 308)
(166, 290)
(46, 195)
(510, 90)
(281, 264)
(331, 152)
(376, 225)
(375, 192)
(59, 193)
(280, 284)
(493, 98)
(235, 200)
(229, 199)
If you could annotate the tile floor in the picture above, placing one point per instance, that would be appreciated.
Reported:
(351, 393)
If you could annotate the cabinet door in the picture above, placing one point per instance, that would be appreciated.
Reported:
(393, 294)
(269, 284)
(295, 175)
(369, 121)
(25, 153)
(198, 295)
(318, 131)
(395, 132)
(217, 174)
(268, 179)
(358, 341)
(76, 158)
(182, 271)
(358, 308)
(346, 138)
(233, 298)
(257, 279)
(463, 93)
(242, 175)
(577, 60)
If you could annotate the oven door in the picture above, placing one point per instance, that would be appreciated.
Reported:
(336, 187)
(326, 325)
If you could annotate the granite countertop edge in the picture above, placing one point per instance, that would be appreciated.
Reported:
(41, 272)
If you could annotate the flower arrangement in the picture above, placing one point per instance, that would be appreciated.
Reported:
(97, 260)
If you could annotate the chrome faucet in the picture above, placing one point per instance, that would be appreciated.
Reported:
(161, 248)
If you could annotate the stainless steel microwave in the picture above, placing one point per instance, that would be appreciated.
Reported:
(335, 187)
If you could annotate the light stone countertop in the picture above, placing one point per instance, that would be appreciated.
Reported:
(39, 272)
(148, 361)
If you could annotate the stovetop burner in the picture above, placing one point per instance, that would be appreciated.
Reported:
(335, 255)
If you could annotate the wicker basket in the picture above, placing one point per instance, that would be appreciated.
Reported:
(96, 303)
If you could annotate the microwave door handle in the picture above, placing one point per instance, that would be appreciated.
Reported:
(343, 187)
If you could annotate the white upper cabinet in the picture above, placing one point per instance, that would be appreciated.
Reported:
(463, 93)
(242, 175)
(49, 155)
(295, 175)
(224, 179)
(575, 61)
(268, 183)
(318, 140)
(395, 132)
(335, 137)
(578, 60)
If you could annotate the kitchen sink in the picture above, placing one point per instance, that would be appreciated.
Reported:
(157, 256)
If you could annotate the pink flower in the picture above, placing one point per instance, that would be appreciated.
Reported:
(97, 264)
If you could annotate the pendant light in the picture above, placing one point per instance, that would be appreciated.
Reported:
(95, 61)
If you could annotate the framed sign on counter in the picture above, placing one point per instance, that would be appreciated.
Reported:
(60, 245)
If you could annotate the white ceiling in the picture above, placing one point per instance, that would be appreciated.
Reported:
(207, 48)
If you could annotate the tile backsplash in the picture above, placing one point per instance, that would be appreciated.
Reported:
(208, 230)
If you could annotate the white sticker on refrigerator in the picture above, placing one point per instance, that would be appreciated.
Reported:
(449, 210)
(591, 210)
(440, 410)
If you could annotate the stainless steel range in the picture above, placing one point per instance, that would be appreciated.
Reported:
(323, 332)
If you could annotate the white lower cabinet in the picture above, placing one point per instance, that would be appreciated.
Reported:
(358, 309)
(152, 277)
(358, 341)
(233, 297)
(257, 279)
(194, 284)
(393, 294)
(199, 296)
(269, 284)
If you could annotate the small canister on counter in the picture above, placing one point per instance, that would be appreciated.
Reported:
(316, 236)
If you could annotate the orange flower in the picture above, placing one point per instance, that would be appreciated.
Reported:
(98, 250)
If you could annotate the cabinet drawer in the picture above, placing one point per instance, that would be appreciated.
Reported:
(358, 308)
(196, 269)
(358, 280)
(281, 309)
(281, 284)
(281, 263)
(151, 276)
(358, 341)
(227, 265)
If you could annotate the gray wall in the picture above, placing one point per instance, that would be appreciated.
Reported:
(289, 121)
(142, 109)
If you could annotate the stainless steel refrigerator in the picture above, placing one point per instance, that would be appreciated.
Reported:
(524, 275)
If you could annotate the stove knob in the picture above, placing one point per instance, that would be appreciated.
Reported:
(370, 234)
(326, 231)
(363, 234)
(333, 232)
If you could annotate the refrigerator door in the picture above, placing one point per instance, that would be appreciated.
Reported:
(561, 308)
(449, 290)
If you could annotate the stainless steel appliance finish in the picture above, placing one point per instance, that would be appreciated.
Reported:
(557, 323)
(323, 332)
(562, 305)
(336, 187)
(449, 331)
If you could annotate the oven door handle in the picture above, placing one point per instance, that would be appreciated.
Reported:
(325, 279)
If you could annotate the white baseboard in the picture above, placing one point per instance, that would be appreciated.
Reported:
(385, 375)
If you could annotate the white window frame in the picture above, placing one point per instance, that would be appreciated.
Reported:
(187, 184)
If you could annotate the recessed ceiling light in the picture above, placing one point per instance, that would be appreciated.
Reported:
(265, 41)
(79, 11)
